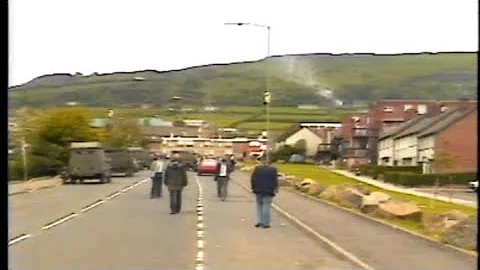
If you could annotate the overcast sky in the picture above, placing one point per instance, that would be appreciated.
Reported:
(66, 36)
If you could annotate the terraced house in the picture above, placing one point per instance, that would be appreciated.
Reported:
(366, 137)
(439, 143)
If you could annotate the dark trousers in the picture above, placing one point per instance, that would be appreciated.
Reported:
(222, 185)
(175, 201)
(156, 190)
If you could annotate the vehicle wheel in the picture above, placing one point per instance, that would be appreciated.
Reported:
(129, 173)
(81, 181)
(199, 174)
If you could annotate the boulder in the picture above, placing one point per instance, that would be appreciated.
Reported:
(403, 210)
(438, 224)
(330, 193)
(370, 202)
(463, 234)
(351, 197)
(283, 182)
(307, 181)
(315, 189)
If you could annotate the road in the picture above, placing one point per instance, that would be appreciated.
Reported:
(132, 231)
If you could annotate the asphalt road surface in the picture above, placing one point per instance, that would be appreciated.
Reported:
(133, 231)
(379, 246)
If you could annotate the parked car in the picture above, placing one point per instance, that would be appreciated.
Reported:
(207, 166)
(473, 185)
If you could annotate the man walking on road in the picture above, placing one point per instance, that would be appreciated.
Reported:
(264, 183)
(157, 167)
(222, 176)
(176, 180)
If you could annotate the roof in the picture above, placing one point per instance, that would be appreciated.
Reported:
(452, 118)
(167, 131)
(289, 132)
(86, 145)
(424, 122)
(400, 128)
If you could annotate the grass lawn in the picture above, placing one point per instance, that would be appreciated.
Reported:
(326, 177)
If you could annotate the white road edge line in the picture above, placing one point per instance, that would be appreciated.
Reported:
(324, 239)
(19, 238)
(199, 262)
(114, 195)
(85, 209)
(59, 221)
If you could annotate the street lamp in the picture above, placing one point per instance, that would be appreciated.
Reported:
(266, 95)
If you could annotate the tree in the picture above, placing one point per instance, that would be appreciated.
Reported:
(124, 133)
(301, 146)
(50, 137)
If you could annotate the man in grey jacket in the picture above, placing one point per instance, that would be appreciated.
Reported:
(176, 180)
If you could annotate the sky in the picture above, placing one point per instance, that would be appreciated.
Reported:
(68, 36)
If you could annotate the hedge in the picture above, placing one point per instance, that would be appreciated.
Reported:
(375, 171)
(411, 179)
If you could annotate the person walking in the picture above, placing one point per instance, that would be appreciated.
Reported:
(157, 168)
(222, 177)
(176, 179)
(264, 184)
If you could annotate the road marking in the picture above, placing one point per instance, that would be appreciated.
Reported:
(199, 262)
(19, 239)
(85, 209)
(48, 226)
(322, 238)
(114, 195)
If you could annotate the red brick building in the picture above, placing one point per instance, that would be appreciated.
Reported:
(357, 140)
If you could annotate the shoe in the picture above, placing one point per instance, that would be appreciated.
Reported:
(266, 226)
(258, 225)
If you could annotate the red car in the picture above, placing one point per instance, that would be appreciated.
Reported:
(207, 166)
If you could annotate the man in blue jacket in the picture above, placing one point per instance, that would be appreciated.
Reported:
(264, 183)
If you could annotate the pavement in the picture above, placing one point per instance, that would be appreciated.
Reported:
(462, 194)
(377, 245)
(132, 231)
(391, 187)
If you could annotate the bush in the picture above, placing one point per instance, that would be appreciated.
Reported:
(411, 179)
(375, 171)
(285, 152)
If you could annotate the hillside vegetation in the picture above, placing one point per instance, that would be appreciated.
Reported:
(318, 79)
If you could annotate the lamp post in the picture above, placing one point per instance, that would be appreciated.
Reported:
(266, 95)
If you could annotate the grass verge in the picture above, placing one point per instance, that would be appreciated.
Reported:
(428, 206)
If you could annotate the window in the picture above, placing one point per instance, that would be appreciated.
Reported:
(387, 109)
(422, 109)
(443, 108)
(407, 107)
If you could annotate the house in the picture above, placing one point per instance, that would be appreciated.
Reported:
(432, 141)
(314, 135)
(386, 149)
(450, 145)
(99, 122)
(195, 123)
(357, 140)
(154, 122)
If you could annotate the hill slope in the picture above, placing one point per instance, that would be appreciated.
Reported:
(318, 79)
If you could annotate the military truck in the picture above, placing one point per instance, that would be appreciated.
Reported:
(87, 161)
(188, 158)
(121, 161)
(142, 156)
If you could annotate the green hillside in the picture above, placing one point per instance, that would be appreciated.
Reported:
(312, 79)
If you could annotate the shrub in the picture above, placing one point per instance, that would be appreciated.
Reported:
(415, 179)
(375, 171)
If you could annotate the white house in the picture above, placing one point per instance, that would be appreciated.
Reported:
(311, 138)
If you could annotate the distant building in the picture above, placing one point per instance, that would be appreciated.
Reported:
(211, 108)
(154, 122)
(308, 107)
(195, 123)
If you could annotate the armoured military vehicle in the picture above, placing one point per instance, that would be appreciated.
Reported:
(87, 161)
(122, 162)
(142, 156)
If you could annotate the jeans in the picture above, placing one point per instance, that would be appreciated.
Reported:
(175, 201)
(264, 203)
(222, 187)
(156, 190)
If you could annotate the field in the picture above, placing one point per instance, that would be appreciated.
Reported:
(245, 118)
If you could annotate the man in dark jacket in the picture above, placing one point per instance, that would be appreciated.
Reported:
(222, 176)
(264, 183)
(175, 180)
